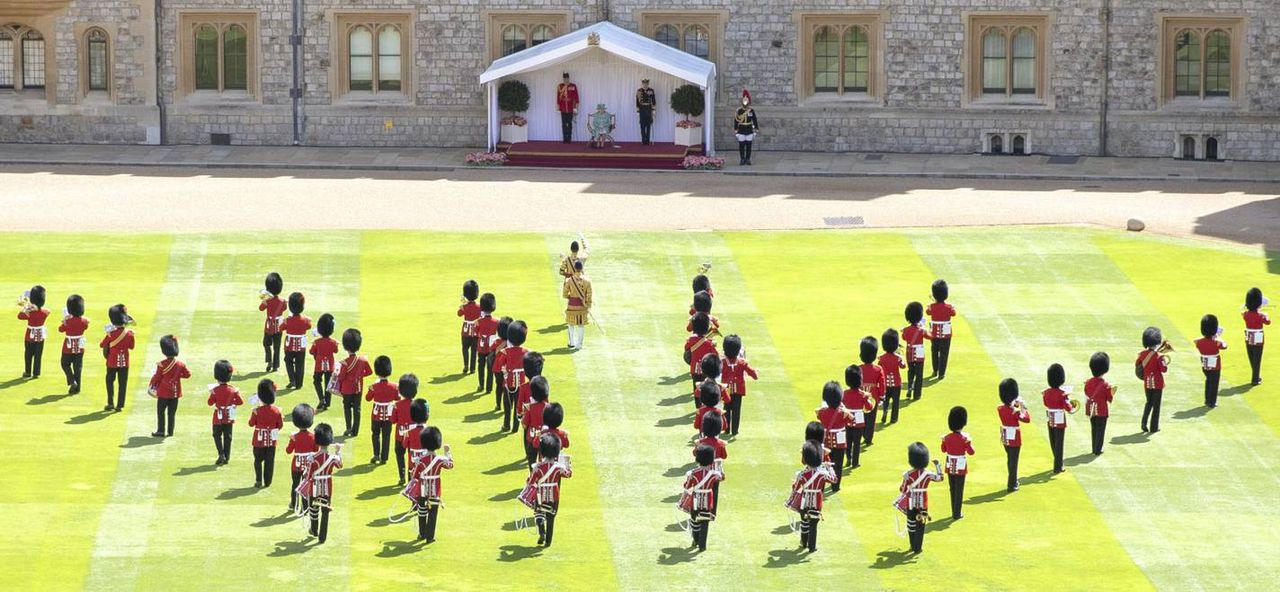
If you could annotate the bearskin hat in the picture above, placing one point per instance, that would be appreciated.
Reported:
(352, 340)
(517, 333)
(37, 296)
(504, 323)
(488, 303)
(75, 305)
(169, 346)
(1151, 337)
(1008, 391)
(709, 393)
(470, 290)
(889, 341)
(1099, 364)
(710, 366)
(274, 283)
(573, 247)
(324, 435)
(533, 362)
(940, 290)
(577, 265)
(867, 349)
(382, 366)
(917, 455)
(712, 425)
(267, 391)
(119, 315)
(702, 302)
(549, 446)
(1208, 325)
(431, 438)
(303, 416)
(811, 453)
(1057, 375)
(853, 376)
(297, 302)
(957, 418)
(539, 389)
(325, 325)
(701, 283)
(732, 347)
(814, 431)
(408, 386)
(1253, 299)
(831, 394)
(419, 411)
(704, 454)
(914, 312)
(553, 416)
(701, 324)
(222, 371)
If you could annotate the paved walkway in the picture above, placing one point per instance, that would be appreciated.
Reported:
(815, 164)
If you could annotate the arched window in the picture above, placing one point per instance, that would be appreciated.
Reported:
(206, 54)
(1019, 144)
(994, 62)
(235, 59)
(6, 58)
(513, 40)
(1211, 148)
(826, 59)
(32, 59)
(697, 41)
(360, 74)
(1024, 62)
(856, 66)
(1189, 148)
(1217, 64)
(668, 35)
(1187, 64)
(541, 34)
(96, 59)
(389, 58)
(997, 144)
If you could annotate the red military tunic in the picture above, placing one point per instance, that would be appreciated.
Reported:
(1057, 405)
(1153, 369)
(427, 473)
(698, 348)
(567, 97)
(323, 350)
(532, 421)
(722, 451)
(873, 381)
(224, 398)
(1099, 396)
(559, 433)
(412, 441)
(166, 383)
(714, 323)
(35, 331)
(74, 328)
(302, 445)
(266, 422)
(295, 333)
(834, 421)
(400, 417)
(734, 373)
(1209, 348)
(701, 482)
(806, 490)
(470, 313)
(510, 362)
(351, 375)
(913, 337)
(956, 445)
(319, 473)
(940, 315)
(544, 481)
(486, 334)
(915, 485)
(384, 395)
(891, 365)
(858, 402)
(118, 343)
(702, 413)
(275, 307)
(1253, 322)
(1010, 432)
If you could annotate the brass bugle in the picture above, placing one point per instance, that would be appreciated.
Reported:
(704, 267)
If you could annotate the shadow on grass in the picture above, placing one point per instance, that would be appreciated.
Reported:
(238, 492)
(1080, 459)
(1134, 438)
(786, 558)
(679, 471)
(185, 471)
(89, 417)
(673, 380)
(511, 553)
(360, 469)
(676, 400)
(392, 549)
(377, 492)
(675, 527)
(13, 382)
(671, 422)
(549, 329)
(1191, 413)
(892, 559)
(141, 441)
(785, 529)
(559, 351)
(1238, 389)
(1037, 479)
(465, 398)
(489, 438)
(482, 416)
(513, 525)
(249, 376)
(507, 468)
(506, 496)
(987, 498)
(277, 520)
(676, 555)
(287, 548)
(448, 378)
(671, 499)
(45, 400)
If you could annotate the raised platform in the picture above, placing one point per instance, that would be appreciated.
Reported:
(626, 155)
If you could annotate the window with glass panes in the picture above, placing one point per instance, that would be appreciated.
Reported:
(22, 57)
(519, 37)
(691, 34)
(32, 60)
(375, 57)
(1200, 57)
(219, 56)
(837, 54)
(8, 58)
(96, 59)
(1009, 60)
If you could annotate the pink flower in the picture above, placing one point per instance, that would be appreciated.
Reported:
(486, 159)
(687, 124)
(515, 120)
(703, 163)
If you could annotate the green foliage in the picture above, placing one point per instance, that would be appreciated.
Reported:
(688, 101)
(513, 96)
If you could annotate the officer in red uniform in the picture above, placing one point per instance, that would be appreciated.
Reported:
(567, 105)
(429, 494)
(1210, 346)
(295, 329)
(1253, 337)
(384, 395)
(1151, 366)
(698, 496)
(541, 491)
(835, 419)
(317, 481)
(914, 335)
(224, 399)
(1098, 395)
(73, 325)
(1057, 404)
(957, 446)
(486, 336)
(115, 348)
(531, 422)
(873, 383)
(859, 403)
(511, 366)
(274, 307)
(734, 371)
(302, 445)
(400, 416)
(266, 422)
(470, 313)
(940, 315)
(698, 346)
(914, 493)
(323, 351)
(351, 374)
(891, 365)
(166, 386)
(34, 313)
(806, 496)
(1012, 412)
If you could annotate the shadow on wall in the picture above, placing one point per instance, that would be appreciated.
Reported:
(1253, 223)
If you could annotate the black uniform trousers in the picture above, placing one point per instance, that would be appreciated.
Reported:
(428, 509)
(854, 437)
(545, 517)
(1011, 458)
(73, 366)
(837, 462)
(400, 457)
(509, 421)
(1255, 361)
(320, 517)
(295, 366)
(484, 377)
(809, 520)
(939, 351)
(32, 353)
(734, 413)
(321, 381)
(957, 494)
(264, 464)
(271, 349)
(117, 380)
(915, 383)
(381, 439)
(294, 498)
(351, 413)
(915, 530)
(1056, 438)
(646, 125)
(566, 126)
(892, 395)
(469, 353)
(1151, 411)
(1097, 431)
(1211, 380)
(165, 408)
(699, 526)
(222, 440)
(869, 431)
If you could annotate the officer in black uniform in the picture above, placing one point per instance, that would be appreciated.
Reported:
(646, 102)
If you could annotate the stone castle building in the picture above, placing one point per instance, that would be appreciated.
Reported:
(1193, 78)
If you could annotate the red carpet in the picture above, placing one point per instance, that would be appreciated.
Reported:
(628, 155)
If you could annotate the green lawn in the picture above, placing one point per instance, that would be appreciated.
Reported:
(90, 501)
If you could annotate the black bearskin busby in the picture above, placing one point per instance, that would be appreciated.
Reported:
(222, 371)
(504, 323)
(352, 340)
(267, 391)
(37, 296)
(704, 454)
(867, 349)
(917, 455)
(701, 324)
(577, 265)
(297, 303)
(539, 389)
(274, 283)
(1208, 325)
(488, 303)
(1008, 391)
(1057, 375)
(573, 247)
(431, 438)
(811, 453)
(1151, 337)
(701, 284)
(940, 290)
(325, 325)
(712, 425)
(119, 315)
(702, 302)
(1253, 299)
(533, 362)
(303, 416)
(324, 435)
(553, 416)
(382, 366)
(549, 446)
(1099, 364)
(710, 366)
(709, 393)
(408, 386)
(831, 394)
(75, 305)
(853, 376)
(957, 418)
(517, 332)
(470, 290)
(814, 431)
(889, 341)
(169, 346)
(419, 411)
(732, 347)
(914, 313)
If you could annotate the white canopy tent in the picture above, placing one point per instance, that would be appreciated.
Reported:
(606, 62)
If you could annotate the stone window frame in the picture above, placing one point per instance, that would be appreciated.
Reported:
(977, 24)
(343, 22)
(17, 32)
(188, 23)
(1168, 27)
(710, 21)
(808, 25)
(85, 69)
(498, 21)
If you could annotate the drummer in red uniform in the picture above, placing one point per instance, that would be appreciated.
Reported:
(914, 493)
(302, 445)
(699, 495)
(806, 496)
(914, 335)
(486, 337)
(940, 315)
(541, 491)
(1012, 413)
(266, 422)
(317, 482)
(873, 383)
(511, 366)
(531, 422)
(425, 487)
(400, 417)
(891, 365)
(1210, 346)
(835, 419)
(323, 351)
(295, 328)
(859, 403)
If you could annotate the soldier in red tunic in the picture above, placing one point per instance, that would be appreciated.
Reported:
(419, 413)
(73, 326)
(351, 374)
(712, 427)
(470, 313)
(814, 432)
(702, 302)
(567, 105)
(403, 422)
(891, 366)
(1099, 395)
(835, 419)
(302, 445)
(224, 399)
(699, 496)
(698, 346)
(1210, 346)
(486, 336)
(532, 421)
(323, 351)
(384, 395)
(1057, 404)
(425, 486)
(1150, 367)
(295, 329)
(1012, 412)
(940, 315)
(914, 335)
(274, 307)
(541, 491)
(35, 314)
(316, 487)
(511, 366)
(1253, 323)
(552, 419)
(710, 402)
(166, 386)
(957, 446)
(115, 348)
(859, 403)
(734, 372)
(872, 383)
(495, 354)
(806, 494)
(913, 498)
(266, 422)
(533, 362)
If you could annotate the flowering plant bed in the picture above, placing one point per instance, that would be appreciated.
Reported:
(486, 159)
(702, 163)
(687, 124)
(515, 120)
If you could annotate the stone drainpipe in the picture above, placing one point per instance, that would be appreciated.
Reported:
(159, 18)
(295, 91)
(1106, 78)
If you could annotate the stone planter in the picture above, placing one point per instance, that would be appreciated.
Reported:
(688, 136)
(514, 134)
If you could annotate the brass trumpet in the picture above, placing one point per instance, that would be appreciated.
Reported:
(264, 295)
(1075, 405)
(704, 268)
(1164, 350)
